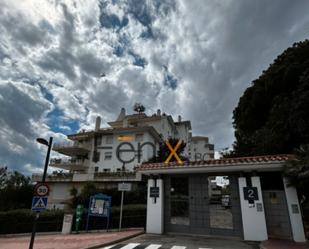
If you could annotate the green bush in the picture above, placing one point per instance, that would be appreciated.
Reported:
(21, 221)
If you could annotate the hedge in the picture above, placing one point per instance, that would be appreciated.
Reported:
(21, 220)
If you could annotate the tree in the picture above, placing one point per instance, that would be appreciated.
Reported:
(272, 116)
(164, 151)
(16, 190)
(83, 197)
(3, 176)
(297, 169)
(138, 107)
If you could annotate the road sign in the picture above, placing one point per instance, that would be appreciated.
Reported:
(124, 186)
(41, 189)
(39, 203)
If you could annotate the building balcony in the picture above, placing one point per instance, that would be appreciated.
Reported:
(68, 164)
(94, 177)
(72, 149)
(55, 177)
(117, 176)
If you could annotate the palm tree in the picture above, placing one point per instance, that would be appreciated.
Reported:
(138, 107)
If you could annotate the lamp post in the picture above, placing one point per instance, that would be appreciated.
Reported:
(49, 145)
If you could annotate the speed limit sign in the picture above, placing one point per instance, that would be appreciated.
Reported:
(41, 189)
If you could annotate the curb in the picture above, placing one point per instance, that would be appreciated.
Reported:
(116, 241)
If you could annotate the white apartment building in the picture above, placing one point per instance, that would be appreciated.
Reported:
(199, 149)
(109, 155)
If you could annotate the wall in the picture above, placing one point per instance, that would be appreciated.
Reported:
(114, 164)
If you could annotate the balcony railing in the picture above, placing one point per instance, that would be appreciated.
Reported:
(71, 145)
(69, 164)
(117, 176)
(72, 149)
(59, 176)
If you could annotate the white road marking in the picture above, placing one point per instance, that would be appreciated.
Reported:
(178, 247)
(107, 247)
(205, 248)
(153, 246)
(130, 246)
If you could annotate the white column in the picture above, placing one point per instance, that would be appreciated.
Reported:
(294, 212)
(154, 223)
(253, 216)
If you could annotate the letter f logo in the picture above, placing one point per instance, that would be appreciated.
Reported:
(173, 152)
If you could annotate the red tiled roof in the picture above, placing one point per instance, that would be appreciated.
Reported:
(217, 162)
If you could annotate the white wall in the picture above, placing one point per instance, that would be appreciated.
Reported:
(113, 164)
(254, 222)
(197, 148)
(154, 222)
(297, 226)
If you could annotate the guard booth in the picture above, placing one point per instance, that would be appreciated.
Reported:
(245, 198)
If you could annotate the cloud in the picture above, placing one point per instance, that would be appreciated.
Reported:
(62, 63)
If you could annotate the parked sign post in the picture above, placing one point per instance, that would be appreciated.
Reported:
(123, 187)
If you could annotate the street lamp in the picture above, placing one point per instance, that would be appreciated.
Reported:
(49, 145)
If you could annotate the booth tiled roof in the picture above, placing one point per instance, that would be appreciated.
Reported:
(218, 162)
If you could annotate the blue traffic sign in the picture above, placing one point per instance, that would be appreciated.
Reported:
(39, 203)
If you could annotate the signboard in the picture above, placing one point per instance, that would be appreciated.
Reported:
(124, 186)
(39, 203)
(41, 189)
(154, 192)
(251, 194)
(100, 205)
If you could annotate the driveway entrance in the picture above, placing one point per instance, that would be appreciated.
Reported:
(202, 204)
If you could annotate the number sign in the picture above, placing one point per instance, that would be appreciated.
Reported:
(251, 193)
(41, 189)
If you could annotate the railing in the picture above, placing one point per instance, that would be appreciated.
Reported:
(71, 145)
(59, 176)
(117, 176)
(62, 161)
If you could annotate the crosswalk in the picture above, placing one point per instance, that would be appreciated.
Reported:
(145, 246)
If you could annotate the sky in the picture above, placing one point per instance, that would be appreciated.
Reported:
(62, 63)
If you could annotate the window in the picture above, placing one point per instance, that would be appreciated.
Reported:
(98, 140)
(118, 169)
(109, 139)
(96, 169)
(96, 156)
(108, 156)
(139, 137)
(106, 170)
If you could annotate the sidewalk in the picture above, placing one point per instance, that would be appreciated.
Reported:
(71, 241)
(283, 244)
